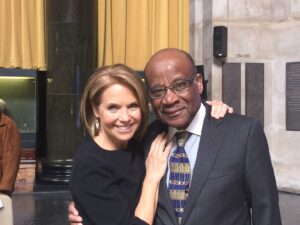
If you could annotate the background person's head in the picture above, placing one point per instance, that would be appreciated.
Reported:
(104, 78)
(2, 105)
(175, 69)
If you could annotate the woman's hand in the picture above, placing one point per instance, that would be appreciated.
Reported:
(157, 159)
(74, 217)
(219, 109)
(156, 165)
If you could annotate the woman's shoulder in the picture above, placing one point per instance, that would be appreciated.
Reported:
(89, 159)
(87, 150)
(136, 148)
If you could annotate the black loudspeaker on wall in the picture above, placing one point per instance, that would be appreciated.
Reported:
(220, 41)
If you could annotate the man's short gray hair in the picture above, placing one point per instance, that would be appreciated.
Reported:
(2, 105)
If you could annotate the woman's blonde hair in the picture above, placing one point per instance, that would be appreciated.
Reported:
(99, 81)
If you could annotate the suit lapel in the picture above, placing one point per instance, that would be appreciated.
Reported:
(165, 201)
(210, 143)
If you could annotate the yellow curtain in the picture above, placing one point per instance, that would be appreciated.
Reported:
(22, 33)
(130, 31)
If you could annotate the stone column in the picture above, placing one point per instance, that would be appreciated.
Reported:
(201, 37)
(71, 52)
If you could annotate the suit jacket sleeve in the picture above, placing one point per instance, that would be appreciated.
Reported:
(260, 180)
(10, 156)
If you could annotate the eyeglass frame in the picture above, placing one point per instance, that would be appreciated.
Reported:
(171, 87)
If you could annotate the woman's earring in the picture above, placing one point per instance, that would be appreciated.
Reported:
(97, 124)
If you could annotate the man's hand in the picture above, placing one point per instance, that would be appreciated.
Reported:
(219, 109)
(74, 217)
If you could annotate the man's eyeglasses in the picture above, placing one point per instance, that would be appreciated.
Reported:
(178, 87)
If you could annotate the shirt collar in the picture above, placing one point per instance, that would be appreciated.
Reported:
(195, 126)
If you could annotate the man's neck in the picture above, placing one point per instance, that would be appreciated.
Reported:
(193, 126)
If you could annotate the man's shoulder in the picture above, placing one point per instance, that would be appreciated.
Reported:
(229, 117)
(237, 121)
(155, 128)
(158, 126)
(238, 117)
(85, 148)
(5, 120)
(8, 125)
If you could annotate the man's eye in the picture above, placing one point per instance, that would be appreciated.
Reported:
(157, 91)
(180, 85)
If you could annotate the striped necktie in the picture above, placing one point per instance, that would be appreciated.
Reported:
(180, 174)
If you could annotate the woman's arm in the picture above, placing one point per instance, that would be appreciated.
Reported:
(156, 165)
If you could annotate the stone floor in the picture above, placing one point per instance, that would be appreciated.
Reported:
(50, 208)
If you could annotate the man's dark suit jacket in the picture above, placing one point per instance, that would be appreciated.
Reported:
(233, 181)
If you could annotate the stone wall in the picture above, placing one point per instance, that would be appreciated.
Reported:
(265, 31)
(259, 31)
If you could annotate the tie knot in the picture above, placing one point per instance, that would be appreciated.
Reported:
(182, 137)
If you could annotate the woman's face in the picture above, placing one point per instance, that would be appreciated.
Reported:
(120, 116)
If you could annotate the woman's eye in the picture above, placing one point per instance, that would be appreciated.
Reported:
(133, 106)
(112, 108)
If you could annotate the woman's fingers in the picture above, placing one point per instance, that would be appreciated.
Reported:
(157, 159)
(219, 109)
(167, 149)
(158, 144)
(214, 109)
(223, 110)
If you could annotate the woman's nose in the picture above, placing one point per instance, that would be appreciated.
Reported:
(124, 116)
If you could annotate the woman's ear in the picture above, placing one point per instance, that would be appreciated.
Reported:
(95, 111)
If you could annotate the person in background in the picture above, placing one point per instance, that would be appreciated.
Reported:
(10, 153)
(2, 106)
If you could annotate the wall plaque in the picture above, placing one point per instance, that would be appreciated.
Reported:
(254, 88)
(231, 85)
(293, 96)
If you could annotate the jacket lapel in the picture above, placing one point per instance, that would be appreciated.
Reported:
(165, 201)
(210, 143)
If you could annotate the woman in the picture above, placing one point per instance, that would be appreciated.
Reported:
(109, 184)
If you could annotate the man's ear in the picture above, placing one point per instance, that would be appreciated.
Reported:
(199, 82)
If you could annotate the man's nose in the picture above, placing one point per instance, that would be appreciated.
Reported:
(170, 97)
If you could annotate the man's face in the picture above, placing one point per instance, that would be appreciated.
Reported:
(176, 110)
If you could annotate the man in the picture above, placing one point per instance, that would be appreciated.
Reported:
(231, 179)
(10, 153)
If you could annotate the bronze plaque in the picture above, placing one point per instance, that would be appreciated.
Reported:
(231, 85)
(254, 85)
(293, 96)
